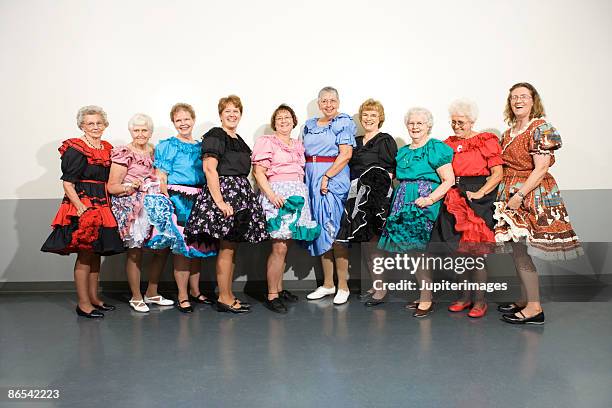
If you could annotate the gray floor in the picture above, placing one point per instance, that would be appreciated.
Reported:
(317, 355)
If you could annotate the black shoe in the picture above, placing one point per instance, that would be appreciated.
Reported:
(510, 308)
(222, 307)
(513, 319)
(276, 305)
(243, 303)
(94, 314)
(423, 312)
(375, 302)
(186, 309)
(105, 307)
(412, 305)
(288, 296)
(201, 299)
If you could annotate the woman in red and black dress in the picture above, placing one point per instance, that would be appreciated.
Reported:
(466, 223)
(84, 223)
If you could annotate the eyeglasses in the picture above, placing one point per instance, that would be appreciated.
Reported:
(416, 124)
(326, 101)
(94, 124)
(279, 118)
(523, 97)
(458, 123)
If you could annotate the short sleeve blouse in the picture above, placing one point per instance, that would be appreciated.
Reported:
(379, 151)
(81, 162)
(233, 154)
(475, 156)
(139, 165)
(540, 137)
(182, 162)
(324, 140)
(422, 163)
(282, 162)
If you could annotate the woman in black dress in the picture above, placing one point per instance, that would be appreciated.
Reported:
(84, 222)
(372, 166)
(227, 209)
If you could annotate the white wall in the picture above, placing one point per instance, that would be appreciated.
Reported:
(137, 55)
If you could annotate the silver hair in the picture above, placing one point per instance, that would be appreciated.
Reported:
(90, 110)
(328, 89)
(416, 111)
(464, 107)
(140, 119)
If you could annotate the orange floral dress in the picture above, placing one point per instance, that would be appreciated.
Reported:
(542, 219)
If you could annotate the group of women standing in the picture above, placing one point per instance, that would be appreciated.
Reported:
(193, 198)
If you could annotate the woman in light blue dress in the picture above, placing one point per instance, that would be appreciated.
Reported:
(179, 167)
(328, 143)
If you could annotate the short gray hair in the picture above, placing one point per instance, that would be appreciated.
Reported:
(90, 110)
(140, 119)
(328, 89)
(464, 107)
(417, 110)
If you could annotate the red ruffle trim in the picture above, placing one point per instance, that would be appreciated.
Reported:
(89, 228)
(67, 211)
(99, 157)
(471, 226)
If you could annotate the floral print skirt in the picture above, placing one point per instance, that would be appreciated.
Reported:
(207, 223)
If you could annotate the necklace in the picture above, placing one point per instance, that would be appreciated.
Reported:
(91, 144)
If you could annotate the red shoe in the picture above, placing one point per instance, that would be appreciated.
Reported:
(478, 311)
(457, 306)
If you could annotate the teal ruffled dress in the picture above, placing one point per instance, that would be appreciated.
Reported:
(409, 227)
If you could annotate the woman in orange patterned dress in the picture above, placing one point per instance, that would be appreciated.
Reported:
(529, 210)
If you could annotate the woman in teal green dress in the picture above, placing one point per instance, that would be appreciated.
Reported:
(425, 173)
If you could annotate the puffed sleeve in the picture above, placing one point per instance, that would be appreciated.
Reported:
(122, 155)
(545, 140)
(491, 150)
(439, 154)
(73, 165)
(165, 152)
(344, 128)
(387, 152)
(262, 152)
(214, 143)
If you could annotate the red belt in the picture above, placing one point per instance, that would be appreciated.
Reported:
(323, 159)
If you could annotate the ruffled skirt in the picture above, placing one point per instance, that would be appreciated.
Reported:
(207, 223)
(293, 220)
(132, 221)
(465, 226)
(95, 230)
(541, 221)
(367, 206)
(168, 217)
(408, 227)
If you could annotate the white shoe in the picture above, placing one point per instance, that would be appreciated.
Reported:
(321, 292)
(139, 305)
(159, 300)
(341, 297)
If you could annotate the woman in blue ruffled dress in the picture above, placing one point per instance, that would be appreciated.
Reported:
(425, 173)
(329, 142)
(179, 168)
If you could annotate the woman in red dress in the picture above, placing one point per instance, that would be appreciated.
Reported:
(466, 223)
(529, 210)
(84, 223)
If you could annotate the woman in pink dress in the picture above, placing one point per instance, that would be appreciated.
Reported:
(132, 176)
(278, 166)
